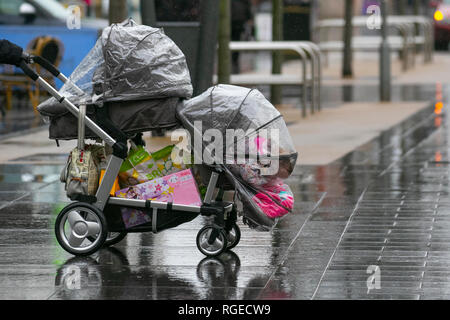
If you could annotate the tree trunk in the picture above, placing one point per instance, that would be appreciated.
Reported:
(416, 7)
(347, 71)
(224, 55)
(207, 46)
(416, 13)
(385, 57)
(98, 8)
(117, 11)
(277, 56)
(402, 7)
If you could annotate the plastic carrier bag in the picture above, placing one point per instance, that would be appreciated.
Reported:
(140, 166)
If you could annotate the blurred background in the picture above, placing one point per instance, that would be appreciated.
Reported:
(74, 25)
(304, 55)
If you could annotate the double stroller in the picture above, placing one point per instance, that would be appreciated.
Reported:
(135, 79)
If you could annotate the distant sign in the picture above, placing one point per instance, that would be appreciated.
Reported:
(374, 20)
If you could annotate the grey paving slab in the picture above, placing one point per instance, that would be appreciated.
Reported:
(384, 205)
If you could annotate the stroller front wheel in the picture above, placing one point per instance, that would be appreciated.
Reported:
(211, 241)
(81, 229)
(233, 236)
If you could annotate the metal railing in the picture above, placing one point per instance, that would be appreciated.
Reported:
(309, 54)
(407, 43)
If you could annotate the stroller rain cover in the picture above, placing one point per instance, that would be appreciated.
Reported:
(225, 107)
(131, 68)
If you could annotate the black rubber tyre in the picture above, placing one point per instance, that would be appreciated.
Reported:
(209, 269)
(112, 240)
(83, 209)
(215, 248)
(233, 237)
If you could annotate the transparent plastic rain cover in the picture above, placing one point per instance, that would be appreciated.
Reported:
(256, 150)
(129, 62)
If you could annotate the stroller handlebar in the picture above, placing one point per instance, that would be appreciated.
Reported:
(12, 54)
(47, 65)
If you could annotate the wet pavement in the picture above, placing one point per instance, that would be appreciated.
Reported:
(19, 120)
(335, 95)
(385, 205)
(22, 119)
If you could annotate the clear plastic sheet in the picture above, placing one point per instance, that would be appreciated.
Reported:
(247, 159)
(141, 62)
(128, 62)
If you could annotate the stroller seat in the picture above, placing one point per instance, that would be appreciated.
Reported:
(128, 116)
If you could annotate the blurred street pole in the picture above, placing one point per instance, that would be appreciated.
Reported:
(117, 11)
(402, 11)
(207, 46)
(385, 57)
(277, 57)
(426, 8)
(148, 14)
(417, 4)
(347, 71)
(98, 8)
(402, 7)
(417, 7)
(224, 54)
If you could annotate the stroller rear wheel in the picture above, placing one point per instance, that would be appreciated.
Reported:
(114, 238)
(211, 241)
(81, 229)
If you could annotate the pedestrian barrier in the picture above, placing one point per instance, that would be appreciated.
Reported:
(310, 55)
(406, 43)
(425, 37)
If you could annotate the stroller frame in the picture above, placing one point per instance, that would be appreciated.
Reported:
(213, 239)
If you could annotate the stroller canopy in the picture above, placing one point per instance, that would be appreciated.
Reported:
(136, 70)
(231, 107)
(131, 62)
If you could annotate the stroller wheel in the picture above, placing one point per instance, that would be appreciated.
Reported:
(211, 241)
(233, 236)
(81, 229)
(114, 237)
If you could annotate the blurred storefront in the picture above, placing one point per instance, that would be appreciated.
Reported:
(298, 19)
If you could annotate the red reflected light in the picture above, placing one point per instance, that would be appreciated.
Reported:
(438, 91)
(437, 122)
(438, 107)
(438, 156)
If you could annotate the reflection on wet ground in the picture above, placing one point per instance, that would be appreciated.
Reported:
(383, 209)
(334, 96)
(18, 120)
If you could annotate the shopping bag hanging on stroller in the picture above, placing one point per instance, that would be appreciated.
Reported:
(82, 170)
